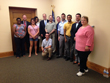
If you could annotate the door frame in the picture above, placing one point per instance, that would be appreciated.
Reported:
(11, 23)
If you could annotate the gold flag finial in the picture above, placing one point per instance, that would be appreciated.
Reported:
(52, 6)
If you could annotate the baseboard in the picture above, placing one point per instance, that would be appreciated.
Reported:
(11, 53)
(97, 67)
(6, 54)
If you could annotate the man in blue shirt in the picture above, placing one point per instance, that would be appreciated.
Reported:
(61, 38)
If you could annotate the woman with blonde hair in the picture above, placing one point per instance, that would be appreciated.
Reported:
(84, 44)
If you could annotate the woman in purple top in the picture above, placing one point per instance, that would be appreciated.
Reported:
(33, 31)
(19, 34)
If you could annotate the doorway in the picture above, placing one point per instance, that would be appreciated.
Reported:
(16, 12)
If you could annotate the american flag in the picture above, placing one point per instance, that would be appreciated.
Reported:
(53, 15)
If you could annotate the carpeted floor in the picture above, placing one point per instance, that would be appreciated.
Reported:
(37, 70)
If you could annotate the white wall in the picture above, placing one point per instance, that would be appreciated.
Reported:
(42, 6)
(98, 13)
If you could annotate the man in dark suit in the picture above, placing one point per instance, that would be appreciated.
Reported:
(56, 34)
(42, 26)
(26, 23)
(74, 29)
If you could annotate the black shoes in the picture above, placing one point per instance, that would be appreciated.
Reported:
(67, 59)
(71, 60)
(64, 57)
(58, 57)
(48, 59)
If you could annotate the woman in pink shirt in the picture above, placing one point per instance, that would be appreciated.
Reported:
(84, 44)
(33, 31)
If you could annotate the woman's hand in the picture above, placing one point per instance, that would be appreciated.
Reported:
(74, 38)
(34, 36)
(21, 37)
(87, 48)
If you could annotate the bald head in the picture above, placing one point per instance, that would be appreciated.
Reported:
(44, 16)
(50, 18)
(24, 18)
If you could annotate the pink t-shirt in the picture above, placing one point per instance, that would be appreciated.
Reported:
(33, 30)
(84, 37)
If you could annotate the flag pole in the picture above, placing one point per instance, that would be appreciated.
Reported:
(53, 13)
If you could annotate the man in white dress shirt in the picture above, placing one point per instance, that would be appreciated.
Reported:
(42, 26)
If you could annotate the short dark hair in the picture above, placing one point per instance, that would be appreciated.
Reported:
(63, 14)
(69, 15)
(18, 18)
(35, 18)
(47, 32)
(31, 20)
(78, 14)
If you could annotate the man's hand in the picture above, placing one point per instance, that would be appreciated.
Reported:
(58, 38)
(49, 34)
(41, 35)
(42, 49)
(65, 40)
(46, 48)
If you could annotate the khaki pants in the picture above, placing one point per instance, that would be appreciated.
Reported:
(49, 50)
(52, 36)
(62, 46)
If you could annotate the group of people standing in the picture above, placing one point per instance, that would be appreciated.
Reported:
(72, 40)
(28, 32)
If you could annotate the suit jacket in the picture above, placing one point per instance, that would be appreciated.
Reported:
(74, 29)
(27, 24)
(42, 27)
(57, 27)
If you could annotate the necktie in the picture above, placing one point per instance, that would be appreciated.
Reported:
(25, 23)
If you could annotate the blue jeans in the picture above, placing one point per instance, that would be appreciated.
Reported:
(31, 39)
